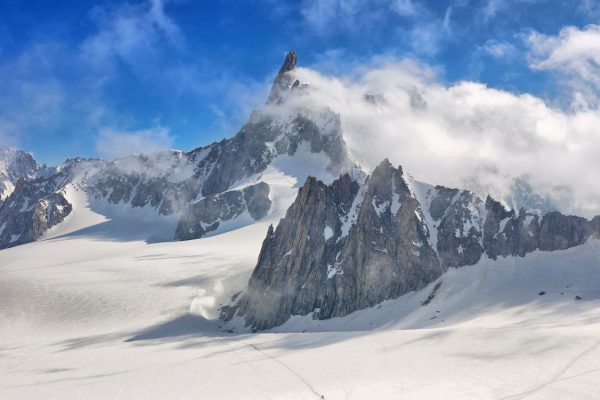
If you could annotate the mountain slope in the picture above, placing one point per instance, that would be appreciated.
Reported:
(15, 165)
(351, 245)
(85, 316)
(210, 189)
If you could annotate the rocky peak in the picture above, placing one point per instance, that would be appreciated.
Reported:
(351, 245)
(340, 248)
(285, 80)
(17, 164)
(289, 63)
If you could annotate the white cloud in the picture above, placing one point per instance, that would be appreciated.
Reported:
(403, 7)
(113, 143)
(327, 16)
(574, 54)
(131, 34)
(491, 8)
(426, 38)
(444, 134)
(499, 50)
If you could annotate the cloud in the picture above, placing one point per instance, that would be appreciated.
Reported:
(426, 39)
(404, 8)
(114, 143)
(133, 34)
(574, 55)
(447, 134)
(31, 96)
(491, 9)
(500, 49)
(332, 16)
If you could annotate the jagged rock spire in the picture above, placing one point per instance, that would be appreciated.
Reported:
(289, 63)
(284, 79)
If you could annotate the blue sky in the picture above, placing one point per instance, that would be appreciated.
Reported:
(186, 73)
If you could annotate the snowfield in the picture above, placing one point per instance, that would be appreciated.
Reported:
(97, 312)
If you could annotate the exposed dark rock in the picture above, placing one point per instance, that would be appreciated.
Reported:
(284, 80)
(432, 294)
(459, 226)
(15, 165)
(341, 248)
(171, 181)
(31, 210)
(558, 232)
(348, 246)
(208, 213)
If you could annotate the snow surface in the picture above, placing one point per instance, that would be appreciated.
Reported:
(90, 312)
(424, 193)
(327, 233)
(101, 309)
(8, 186)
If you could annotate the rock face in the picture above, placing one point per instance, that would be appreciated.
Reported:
(467, 228)
(206, 187)
(268, 135)
(341, 248)
(14, 165)
(351, 245)
(284, 80)
(458, 220)
(33, 207)
(208, 213)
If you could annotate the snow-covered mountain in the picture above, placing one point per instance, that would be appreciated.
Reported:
(205, 191)
(371, 285)
(15, 165)
(352, 245)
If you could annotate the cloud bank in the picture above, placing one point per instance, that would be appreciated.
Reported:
(463, 132)
(113, 143)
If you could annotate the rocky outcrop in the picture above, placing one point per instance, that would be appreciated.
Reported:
(275, 130)
(340, 248)
(507, 233)
(208, 213)
(458, 220)
(197, 184)
(32, 208)
(285, 79)
(165, 181)
(17, 164)
(350, 245)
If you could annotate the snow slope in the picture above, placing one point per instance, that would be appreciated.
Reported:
(83, 315)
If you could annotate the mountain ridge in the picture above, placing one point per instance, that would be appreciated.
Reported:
(203, 186)
(349, 246)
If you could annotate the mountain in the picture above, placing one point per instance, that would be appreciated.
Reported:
(208, 190)
(351, 245)
(15, 165)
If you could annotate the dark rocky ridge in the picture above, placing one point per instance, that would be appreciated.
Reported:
(208, 213)
(348, 246)
(15, 165)
(341, 248)
(34, 207)
(174, 182)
